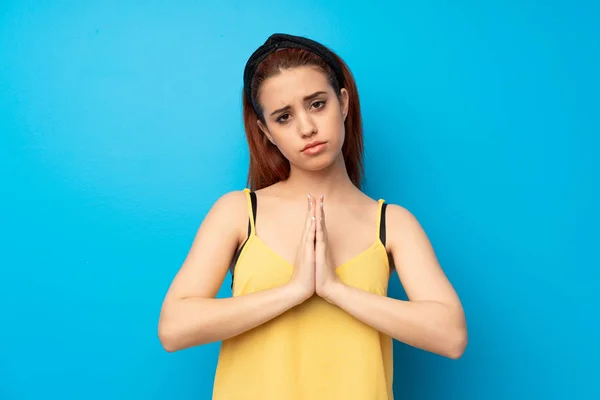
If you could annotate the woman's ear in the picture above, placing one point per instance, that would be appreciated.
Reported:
(344, 102)
(265, 130)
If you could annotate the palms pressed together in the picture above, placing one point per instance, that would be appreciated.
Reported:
(325, 276)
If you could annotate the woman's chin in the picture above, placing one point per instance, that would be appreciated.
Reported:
(315, 164)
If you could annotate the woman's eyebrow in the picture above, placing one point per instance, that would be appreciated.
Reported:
(306, 98)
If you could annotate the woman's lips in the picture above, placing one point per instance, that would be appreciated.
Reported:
(314, 148)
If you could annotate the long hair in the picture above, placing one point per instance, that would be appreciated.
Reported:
(267, 165)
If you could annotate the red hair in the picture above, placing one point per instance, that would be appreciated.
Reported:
(267, 165)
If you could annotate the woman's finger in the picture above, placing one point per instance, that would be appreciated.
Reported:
(321, 219)
(309, 231)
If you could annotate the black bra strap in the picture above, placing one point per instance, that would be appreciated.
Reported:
(237, 254)
(254, 205)
(382, 224)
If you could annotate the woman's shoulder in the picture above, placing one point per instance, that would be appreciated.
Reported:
(233, 198)
(230, 206)
(396, 215)
(402, 225)
(229, 213)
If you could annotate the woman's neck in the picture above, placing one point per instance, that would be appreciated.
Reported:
(333, 182)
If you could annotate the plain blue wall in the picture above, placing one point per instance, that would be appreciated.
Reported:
(120, 124)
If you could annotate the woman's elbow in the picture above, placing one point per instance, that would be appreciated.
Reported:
(168, 335)
(457, 343)
(167, 339)
(175, 337)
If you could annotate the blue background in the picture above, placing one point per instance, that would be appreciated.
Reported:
(120, 125)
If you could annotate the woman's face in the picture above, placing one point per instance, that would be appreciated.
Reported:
(304, 117)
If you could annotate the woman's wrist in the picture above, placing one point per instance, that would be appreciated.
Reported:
(296, 293)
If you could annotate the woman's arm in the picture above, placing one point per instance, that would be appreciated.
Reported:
(190, 314)
(433, 318)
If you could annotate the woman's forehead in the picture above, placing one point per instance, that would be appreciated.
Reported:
(292, 85)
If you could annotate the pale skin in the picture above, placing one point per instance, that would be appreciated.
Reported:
(319, 206)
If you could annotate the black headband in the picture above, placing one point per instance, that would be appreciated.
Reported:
(282, 41)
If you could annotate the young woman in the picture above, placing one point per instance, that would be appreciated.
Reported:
(309, 253)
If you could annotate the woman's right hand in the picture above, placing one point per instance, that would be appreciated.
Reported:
(303, 278)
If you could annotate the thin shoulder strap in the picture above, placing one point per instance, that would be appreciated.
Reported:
(252, 204)
(381, 221)
(251, 197)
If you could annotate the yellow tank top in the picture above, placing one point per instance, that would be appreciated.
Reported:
(314, 351)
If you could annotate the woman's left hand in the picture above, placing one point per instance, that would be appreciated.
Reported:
(325, 276)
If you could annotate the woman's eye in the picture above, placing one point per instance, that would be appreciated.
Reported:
(282, 118)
